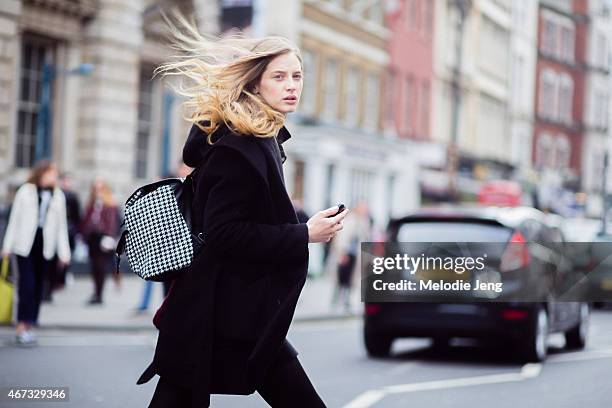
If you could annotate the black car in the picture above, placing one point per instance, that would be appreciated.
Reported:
(532, 241)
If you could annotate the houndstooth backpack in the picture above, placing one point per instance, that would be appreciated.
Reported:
(158, 238)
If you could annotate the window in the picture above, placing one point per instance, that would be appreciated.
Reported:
(372, 102)
(495, 41)
(517, 79)
(600, 109)
(562, 152)
(558, 37)
(567, 43)
(390, 102)
(330, 110)
(408, 105)
(145, 119)
(544, 150)
(352, 97)
(566, 97)
(35, 54)
(547, 104)
(309, 93)
(601, 50)
(549, 37)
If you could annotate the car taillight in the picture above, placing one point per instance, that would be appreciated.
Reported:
(514, 314)
(516, 254)
(372, 309)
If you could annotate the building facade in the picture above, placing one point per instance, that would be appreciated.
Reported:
(76, 87)
(522, 83)
(104, 115)
(472, 87)
(596, 117)
(565, 155)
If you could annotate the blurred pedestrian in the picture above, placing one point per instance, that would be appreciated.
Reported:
(182, 171)
(73, 212)
(223, 327)
(100, 229)
(37, 231)
(346, 247)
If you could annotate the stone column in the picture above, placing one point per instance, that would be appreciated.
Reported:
(9, 86)
(106, 138)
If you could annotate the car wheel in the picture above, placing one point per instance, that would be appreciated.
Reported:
(535, 348)
(377, 345)
(576, 338)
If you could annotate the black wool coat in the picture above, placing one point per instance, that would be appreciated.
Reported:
(226, 319)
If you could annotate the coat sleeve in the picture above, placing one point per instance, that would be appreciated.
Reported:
(63, 245)
(14, 217)
(227, 221)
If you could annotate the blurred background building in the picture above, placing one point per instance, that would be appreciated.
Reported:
(405, 102)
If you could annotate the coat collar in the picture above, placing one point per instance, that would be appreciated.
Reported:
(196, 147)
(283, 135)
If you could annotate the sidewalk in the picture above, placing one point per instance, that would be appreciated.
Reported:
(69, 310)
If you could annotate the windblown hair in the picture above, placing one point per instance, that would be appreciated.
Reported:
(217, 78)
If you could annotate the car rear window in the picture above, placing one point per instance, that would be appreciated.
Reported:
(447, 231)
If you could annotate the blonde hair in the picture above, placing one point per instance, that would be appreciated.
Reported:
(106, 193)
(217, 77)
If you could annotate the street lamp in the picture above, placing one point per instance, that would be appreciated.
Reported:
(45, 115)
(463, 8)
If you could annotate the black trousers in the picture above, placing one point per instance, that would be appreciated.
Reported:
(32, 271)
(101, 263)
(285, 386)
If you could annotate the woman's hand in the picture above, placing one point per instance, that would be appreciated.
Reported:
(321, 228)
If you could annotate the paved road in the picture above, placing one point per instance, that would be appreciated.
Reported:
(100, 369)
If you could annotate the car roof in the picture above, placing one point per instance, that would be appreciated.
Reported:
(506, 216)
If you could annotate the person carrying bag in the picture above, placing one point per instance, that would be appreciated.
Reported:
(223, 326)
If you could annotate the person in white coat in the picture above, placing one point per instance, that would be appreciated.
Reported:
(37, 231)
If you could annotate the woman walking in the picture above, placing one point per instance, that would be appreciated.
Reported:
(37, 231)
(223, 327)
(99, 229)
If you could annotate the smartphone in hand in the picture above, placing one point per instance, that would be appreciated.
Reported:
(341, 208)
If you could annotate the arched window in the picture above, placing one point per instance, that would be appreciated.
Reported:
(562, 152)
(566, 97)
(544, 150)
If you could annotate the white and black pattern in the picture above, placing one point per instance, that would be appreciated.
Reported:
(158, 238)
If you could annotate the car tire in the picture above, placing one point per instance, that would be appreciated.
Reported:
(377, 345)
(535, 346)
(576, 338)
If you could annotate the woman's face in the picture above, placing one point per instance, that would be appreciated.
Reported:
(98, 186)
(49, 178)
(281, 83)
